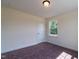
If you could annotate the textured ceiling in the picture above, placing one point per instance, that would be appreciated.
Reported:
(35, 7)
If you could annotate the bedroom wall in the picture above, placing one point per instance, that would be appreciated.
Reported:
(19, 29)
(67, 30)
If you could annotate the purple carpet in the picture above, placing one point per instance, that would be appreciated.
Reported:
(40, 51)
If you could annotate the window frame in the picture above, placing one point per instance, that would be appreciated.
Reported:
(55, 35)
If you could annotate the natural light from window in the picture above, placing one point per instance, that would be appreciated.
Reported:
(65, 55)
(53, 30)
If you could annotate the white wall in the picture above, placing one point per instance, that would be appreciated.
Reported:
(20, 29)
(67, 30)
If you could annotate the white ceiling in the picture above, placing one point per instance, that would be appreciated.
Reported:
(35, 7)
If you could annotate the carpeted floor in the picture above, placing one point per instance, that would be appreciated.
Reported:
(41, 51)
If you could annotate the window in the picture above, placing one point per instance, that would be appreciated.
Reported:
(53, 30)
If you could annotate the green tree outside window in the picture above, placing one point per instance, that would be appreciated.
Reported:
(53, 27)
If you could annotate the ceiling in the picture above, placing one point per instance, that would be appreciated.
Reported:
(35, 7)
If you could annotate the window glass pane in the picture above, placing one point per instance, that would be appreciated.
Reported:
(53, 27)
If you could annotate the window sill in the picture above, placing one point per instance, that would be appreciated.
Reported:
(54, 35)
